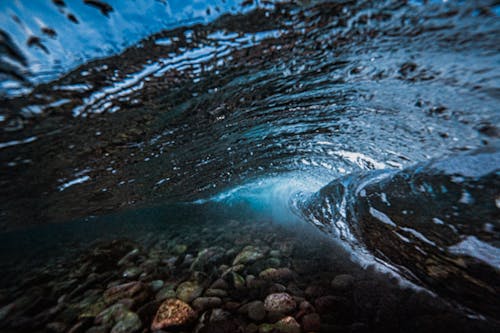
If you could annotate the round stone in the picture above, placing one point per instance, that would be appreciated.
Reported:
(342, 282)
(172, 313)
(279, 302)
(188, 291)
(256, 310)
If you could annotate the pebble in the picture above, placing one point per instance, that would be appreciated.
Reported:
(131, 273)
(157, 285)
(188, 291)
(129, 322)
(311, 322)
(287, 325)
(173, 313)
(204, 303)
(277, 274)
(215, 293)
(167, 291)
(256, 310)
(342, 282)
(248, 255)
(280, 303)
(219, 284)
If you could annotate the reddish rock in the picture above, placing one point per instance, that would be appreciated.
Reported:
(173, 313)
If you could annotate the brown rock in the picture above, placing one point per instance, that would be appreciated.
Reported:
(277, 274)
(287, 325)
(204, 303)
(311, 322)
(173, 313)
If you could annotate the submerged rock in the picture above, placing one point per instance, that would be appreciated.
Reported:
(342, 282)
(129, 322)
(249, 254)
(126, 290)
(311, 322)
(280, 303)
(256, 310)
(287, 325)
(173, 313)
(188, 291)
(204, 303)
(277, 274)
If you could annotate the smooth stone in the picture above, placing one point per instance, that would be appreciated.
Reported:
(251, 328)
(188, 260)
(204, 303)
(249, 254)
(219, 284)
(280, 302)
(256, 283)
(231, 306)
(238, 281)
(293, 289)
(157, 285)
(173, 313)
(132, 272)
(207, 258)
(342, 282)
(314, 291)
(168, 291)
(129, 323)
(218, 315)
(179, 249)
(275, 253)
(128, 257)
(107, 317)
(126, 290)
(277, 274)
(249, 279)
(276, 288)
(306, 307)
(287, 325)
(188, 291)
(266, 328)
(311, 322)
(256, 310)
(236, 268)
(215, 293)
(98, 329)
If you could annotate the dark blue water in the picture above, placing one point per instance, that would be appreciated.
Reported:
(375, 122)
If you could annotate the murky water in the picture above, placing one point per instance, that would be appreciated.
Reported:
(376, 123)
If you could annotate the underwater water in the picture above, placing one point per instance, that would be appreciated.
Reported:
(249, 166)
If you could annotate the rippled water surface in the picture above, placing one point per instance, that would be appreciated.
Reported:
(375, 121)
